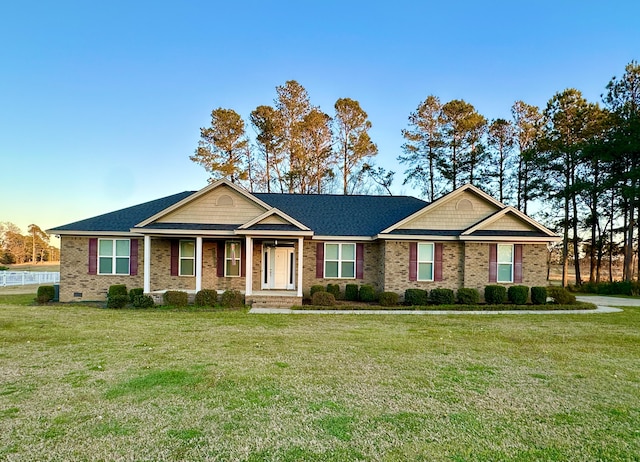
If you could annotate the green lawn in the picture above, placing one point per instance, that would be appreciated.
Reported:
(83, 383)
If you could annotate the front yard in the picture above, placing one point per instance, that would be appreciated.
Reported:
(83, 383)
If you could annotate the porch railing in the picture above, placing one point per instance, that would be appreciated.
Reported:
(23, 278)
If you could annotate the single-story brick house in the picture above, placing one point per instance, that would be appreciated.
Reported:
(274, 247)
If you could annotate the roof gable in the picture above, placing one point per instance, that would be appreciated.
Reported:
(510, 222)
(221, 202)
(457, 210)
(275, 219)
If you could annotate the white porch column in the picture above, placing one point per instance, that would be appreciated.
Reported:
(198, 263)
(300, 246)
(147, 264)
(248, 288)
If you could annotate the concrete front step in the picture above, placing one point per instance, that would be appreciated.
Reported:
(267, 301)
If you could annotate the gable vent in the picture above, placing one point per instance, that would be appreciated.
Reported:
(464, 205)
(224, 201)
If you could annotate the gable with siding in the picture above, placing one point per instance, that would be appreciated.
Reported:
(454, 213)
(222, 205)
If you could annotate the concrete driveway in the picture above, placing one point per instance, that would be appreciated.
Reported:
(601, 300)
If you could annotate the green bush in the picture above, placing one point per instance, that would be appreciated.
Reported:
(495, 295)
(206, 297)
(117, 289)
(117, 301)
(143, 301)
(175, 298)
(316, 288)
(45, 294)
(468, 296)
(4, 268)
(323, 299)
(518, 295)
(351, 292)
(367, 293)
(133, 293)
(334, 289)
(561, 296)
(232, 299)
(388, 299)
(416, 297)
(539, 295)
(441, 297)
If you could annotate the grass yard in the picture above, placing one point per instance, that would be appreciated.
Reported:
(83, 383)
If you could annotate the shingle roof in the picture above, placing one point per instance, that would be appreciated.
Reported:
(325, 214)
(337, 215)
(125, 219)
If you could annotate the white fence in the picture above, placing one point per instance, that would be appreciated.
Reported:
(21, 278)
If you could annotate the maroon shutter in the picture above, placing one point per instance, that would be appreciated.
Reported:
(243, 259)
(517, 263)
(360, 261)
(133, 257)
(220, 260)
(93, 255)
(437, 261)
(320, 260)
(413, 261)
(175, 256)
(493, 262)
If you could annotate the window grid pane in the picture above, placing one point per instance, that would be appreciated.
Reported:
(122, 265)
(348, 252)
(106, 248)
(504, 272)
(348, 269)
(331, 269)
(331, 251)
(104, 265)
(425, 271)
(505, 253)
(122, 248)
(187, 249)
(425, 252)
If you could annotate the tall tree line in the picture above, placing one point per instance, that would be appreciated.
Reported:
(298, 148)
(33, 246)
(580, 160)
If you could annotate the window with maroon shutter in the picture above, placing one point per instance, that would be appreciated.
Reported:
(493, 262)
(437, 262)
(360, 260)
(517, 263)
(220, 260)
(93, 255)
(413, 261)
(175, 256)
(133, 258)
(320, 260)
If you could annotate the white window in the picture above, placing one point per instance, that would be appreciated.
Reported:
(505, 263)
(232, 259)
(187, 258)
(113, 256)
(425, 262)
(340, 261)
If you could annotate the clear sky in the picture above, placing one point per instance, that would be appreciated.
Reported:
(101, 102)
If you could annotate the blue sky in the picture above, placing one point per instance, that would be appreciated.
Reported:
(101, 102)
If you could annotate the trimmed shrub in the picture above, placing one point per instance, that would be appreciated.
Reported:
(539, 295)
(388, 299)
(143, 301)
(175, 298)
(367, 293)
(518, 295)
(468, 296)
(323, 299)
(416, 297)
(334, 289)
(117, 289)
(45, 294)
(495, 295)
(561, 295)
(441, 296)
(351, 292)
(133, 293)
(206, 297)
(232, 299)
(316, 288)
(117, 301)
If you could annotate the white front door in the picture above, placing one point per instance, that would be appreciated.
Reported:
(278, 268)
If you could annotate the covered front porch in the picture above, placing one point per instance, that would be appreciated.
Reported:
(267, 269)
